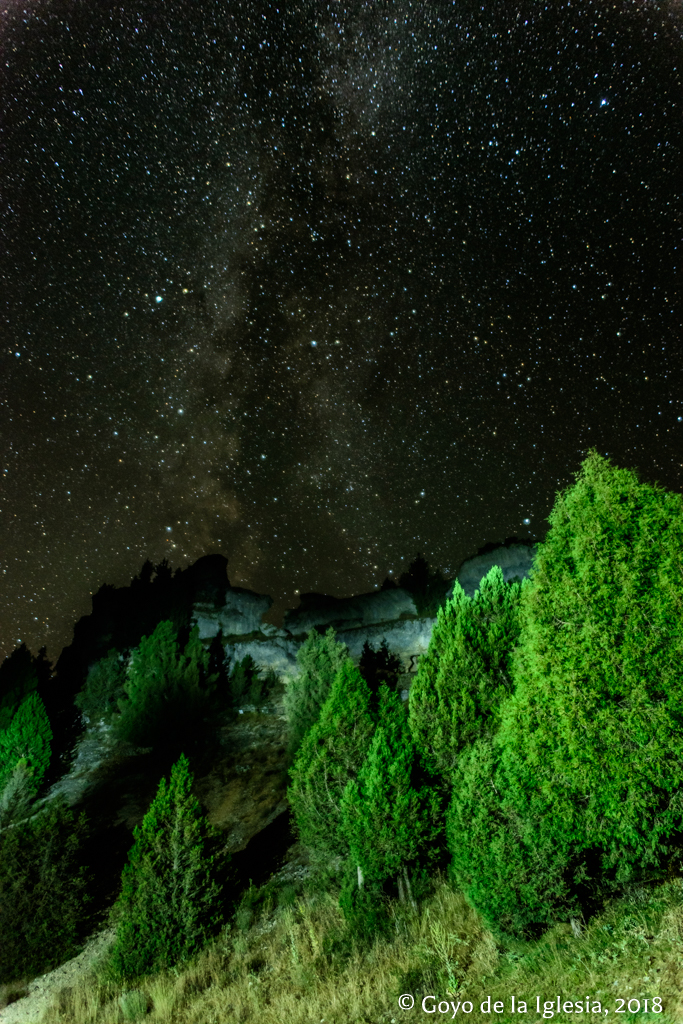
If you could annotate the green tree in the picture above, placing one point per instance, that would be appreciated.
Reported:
(588, 760)
(320, 657)
(466, 674)
(174, 884)
(26, 742)
(330, 755)
(428, 589)
(380, 666)
(18, 678)
(391, 816)
(243, 681)
(104, 688)
(43, 891)
(167, 694)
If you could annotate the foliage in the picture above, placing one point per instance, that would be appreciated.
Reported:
(377, 667)
(245, 687)
(104, 688)
(320, 657)
(43, 891)
(331, 754)
(173, 884)
(392, 817)
(20, 674)
(26, 742)
(465, 676)
(167, 694)
(587, 764)
(428, 589)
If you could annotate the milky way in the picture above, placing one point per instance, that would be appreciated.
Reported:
(318, 286)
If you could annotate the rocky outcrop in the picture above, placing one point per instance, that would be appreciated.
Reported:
(514, 560)
(349, 612)
(240, 612)
(382, 615)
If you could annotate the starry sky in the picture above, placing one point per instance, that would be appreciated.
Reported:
(321, 284)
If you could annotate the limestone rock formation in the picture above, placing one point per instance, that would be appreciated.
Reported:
(382, 615)
(514, 560)
(239, 613)
(349, 612)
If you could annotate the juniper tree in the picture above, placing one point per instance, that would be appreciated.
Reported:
(330, 756)
(104, 688)
(26, 742)
(43, 891)
(173, 886)
(465, 676)
(319, 658)
(587, 759)
(391, 816)
(167, 693)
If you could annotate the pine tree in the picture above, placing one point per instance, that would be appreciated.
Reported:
(465, 676)
(173, 886)
(167, 693)
(320, 657)
(391, 816)
(26, 742)
(330, 756)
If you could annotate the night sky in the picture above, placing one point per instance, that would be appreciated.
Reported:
(319, 285)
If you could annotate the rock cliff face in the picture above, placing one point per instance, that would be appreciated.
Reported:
(514, 560)
(240, 612)
(383, 615)
(349, 612)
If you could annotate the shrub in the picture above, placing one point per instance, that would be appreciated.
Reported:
(43, 891)
(26, 742)
(320, 657)
(465, 676)
(581, 786)
(330, 756)
(173, 885)
(167, 694)
(104, 688)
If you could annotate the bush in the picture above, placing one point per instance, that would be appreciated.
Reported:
(581, 787)
(26, 743)
(43, 891)
(173, 886)
(320, 657)
(330, 756)
(167, 694)
(104, 688)
(466, 675)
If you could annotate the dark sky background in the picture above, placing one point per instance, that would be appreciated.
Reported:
(317, 285)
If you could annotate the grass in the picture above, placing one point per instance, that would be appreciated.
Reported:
(287, 958)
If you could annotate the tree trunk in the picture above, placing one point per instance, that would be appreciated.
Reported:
(408, 889)
(401, 894)
(360, 877)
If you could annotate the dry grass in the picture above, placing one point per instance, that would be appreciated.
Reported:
(296, 964)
